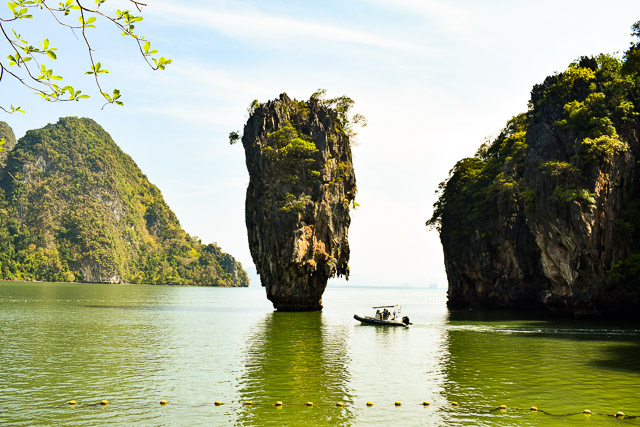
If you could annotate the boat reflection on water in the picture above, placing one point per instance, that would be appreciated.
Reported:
(296, 358)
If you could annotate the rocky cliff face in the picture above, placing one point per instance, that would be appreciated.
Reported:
(297, 207)
(546, 217)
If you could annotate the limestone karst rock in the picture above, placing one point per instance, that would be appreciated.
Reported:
(547, 216)
(297, 208)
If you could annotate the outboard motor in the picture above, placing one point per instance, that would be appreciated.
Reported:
(405, 320)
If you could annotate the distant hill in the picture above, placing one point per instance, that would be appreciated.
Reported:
(74, 207)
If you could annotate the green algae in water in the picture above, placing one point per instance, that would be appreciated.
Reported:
(135, 345)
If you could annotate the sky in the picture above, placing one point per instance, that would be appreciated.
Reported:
(434, 78)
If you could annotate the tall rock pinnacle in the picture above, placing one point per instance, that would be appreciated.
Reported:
(301, 185)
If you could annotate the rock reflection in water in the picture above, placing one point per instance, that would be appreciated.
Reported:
(500, 359)
(296, 358)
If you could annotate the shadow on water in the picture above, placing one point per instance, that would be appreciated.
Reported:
(621, 357)
(537, 324)
(495, 315)
(557, 364)
(295, 358)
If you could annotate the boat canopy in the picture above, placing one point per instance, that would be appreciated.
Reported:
(384, 312)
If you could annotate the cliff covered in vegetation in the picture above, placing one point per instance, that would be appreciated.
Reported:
(301, 185)
(74, 207)
(547, 216)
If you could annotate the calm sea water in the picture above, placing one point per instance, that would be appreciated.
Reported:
(134, 345)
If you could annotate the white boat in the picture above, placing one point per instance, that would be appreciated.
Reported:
(384, 315)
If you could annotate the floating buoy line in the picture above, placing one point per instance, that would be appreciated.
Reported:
(426, 404)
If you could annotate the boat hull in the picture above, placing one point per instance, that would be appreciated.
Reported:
(372, 321)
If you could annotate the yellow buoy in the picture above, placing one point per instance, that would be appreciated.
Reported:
(163, 402)
(309, 403)
(339, 404)
(425, 403)
(534, 408)
(503, 406)
(248, 403)
(398, 403)
(369, 403)
(278, 403)
(72, 402)
(217, 403)
(619, 414)
(454, 403)
(586, 411)
(103, 402)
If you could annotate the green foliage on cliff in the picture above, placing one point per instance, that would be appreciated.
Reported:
(341, 106)
(594, 103)
(468, 199)
(295, 204)
(294, 153)
(74, 207)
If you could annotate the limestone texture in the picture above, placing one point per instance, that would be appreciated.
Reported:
(302, 183)
(546, 216)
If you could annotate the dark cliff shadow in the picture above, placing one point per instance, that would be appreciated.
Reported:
(621, 357)
(487, 315)
(295, 358)
(613, 345)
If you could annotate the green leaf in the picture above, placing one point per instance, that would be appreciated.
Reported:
(12, 6)
(51, 55)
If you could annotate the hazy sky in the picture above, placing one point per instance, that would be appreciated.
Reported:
(433, 77)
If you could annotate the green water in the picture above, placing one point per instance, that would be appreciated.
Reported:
(135, 345)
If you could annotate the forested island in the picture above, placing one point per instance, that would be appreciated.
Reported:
(75, 208)
(547, 215)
